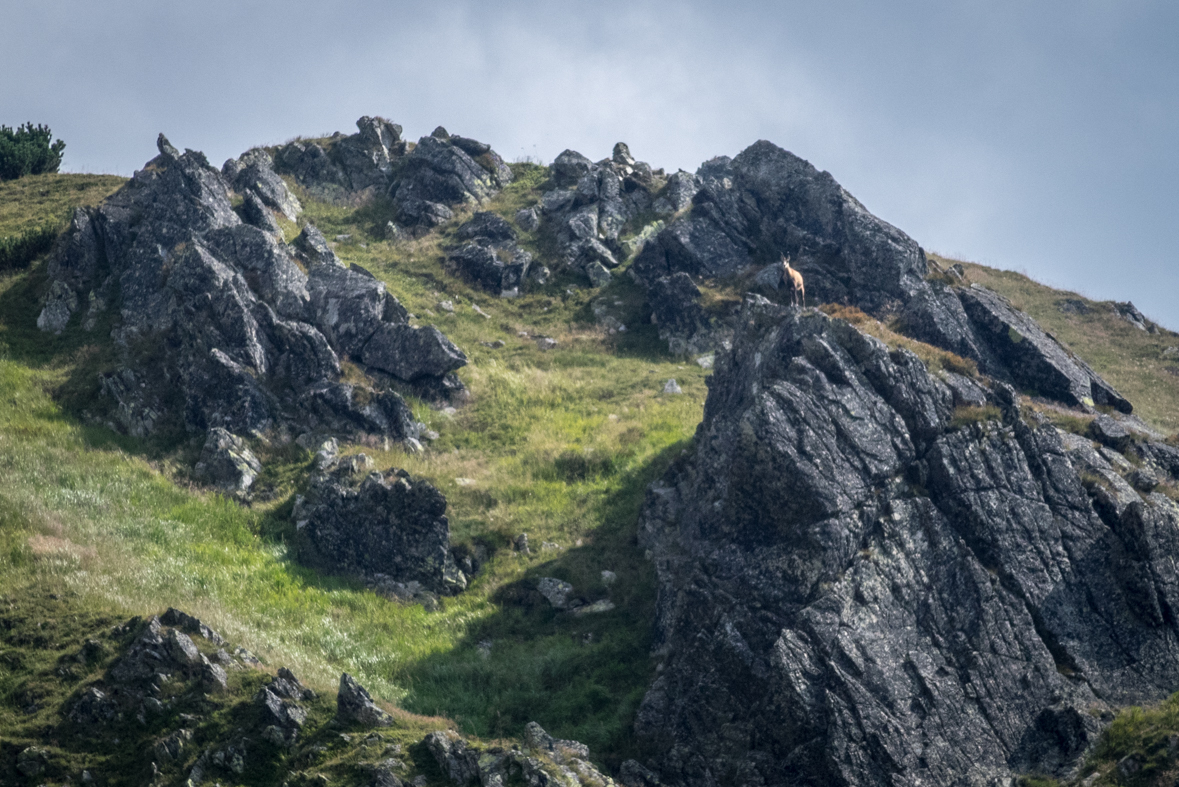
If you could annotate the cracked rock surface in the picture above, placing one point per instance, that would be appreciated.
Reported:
(856, 589)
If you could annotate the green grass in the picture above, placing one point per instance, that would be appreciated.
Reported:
(559, 444)
(1130, 359)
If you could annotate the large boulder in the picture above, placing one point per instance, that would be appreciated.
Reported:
(390, 524)
(858, 588)
(412, 353)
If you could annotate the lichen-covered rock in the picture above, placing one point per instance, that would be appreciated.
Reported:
(860, 590)
(441, 171)
(411, 353)
(217, 326)
(354, 705)
(227, 462)
(394, 525)
(254, 172)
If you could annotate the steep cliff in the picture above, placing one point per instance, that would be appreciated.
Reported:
(865, 578)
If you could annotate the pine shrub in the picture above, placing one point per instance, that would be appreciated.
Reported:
(28, 150)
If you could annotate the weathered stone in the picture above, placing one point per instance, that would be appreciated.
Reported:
(315, 248)
(1110, 432)
(182, 649)
(486, 225)
(457, 761)
(93, 708)
(441, 172)
(411, 353)
(255, 212)
(1031, 358)
(672, 387)
(597, 273)
(841, 563)
(528, 219)
(393, 525)
(254, 172)
(555, 591)
(227, 462)
(355, 706)
(569, 167)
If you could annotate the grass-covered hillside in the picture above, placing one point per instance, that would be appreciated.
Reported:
(1143, 366)
(559, 444)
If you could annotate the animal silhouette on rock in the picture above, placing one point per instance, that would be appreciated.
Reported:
(793, 279)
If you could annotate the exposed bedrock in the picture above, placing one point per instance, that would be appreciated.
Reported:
(749, 211)
(857, 589)
(217, 325)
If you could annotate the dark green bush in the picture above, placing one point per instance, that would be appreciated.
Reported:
(28, 151)
(17, 251)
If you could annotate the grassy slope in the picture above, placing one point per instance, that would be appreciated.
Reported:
(1130, 359)
(559, 444)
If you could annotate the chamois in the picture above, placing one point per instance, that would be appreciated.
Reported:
(793, 279)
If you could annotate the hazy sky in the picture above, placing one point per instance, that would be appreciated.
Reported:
(1040, 136)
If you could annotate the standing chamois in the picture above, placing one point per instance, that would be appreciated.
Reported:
(793, 279)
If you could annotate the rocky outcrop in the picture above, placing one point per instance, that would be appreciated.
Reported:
(345, 168)
(863, 580)
(564, 762)
(368, 524)
(592, 204)
(767, 202)
(354, 705)
(443, 171)
(145, 685)
(227, 462)
(489, 256)
(218, 327)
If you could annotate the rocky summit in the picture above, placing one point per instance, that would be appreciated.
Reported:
(867, 579)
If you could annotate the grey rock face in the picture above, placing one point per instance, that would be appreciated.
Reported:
(346, 168)
(440, 172)
(354, 705)
(393, 525)
(315, 248)
(769, 198)
(853, 591)
(227, 462)
(217, 326)
(1030, 357)
(254, 172)
(591, 207)
(412, 353)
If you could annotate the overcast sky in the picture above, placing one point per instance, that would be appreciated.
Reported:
(1041, 137)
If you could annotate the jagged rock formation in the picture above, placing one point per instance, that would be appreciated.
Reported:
(592, 203)
(218, 327)
(465, 766)
(440, 172)
(392, 525)
(860, 584)
(748, 211)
